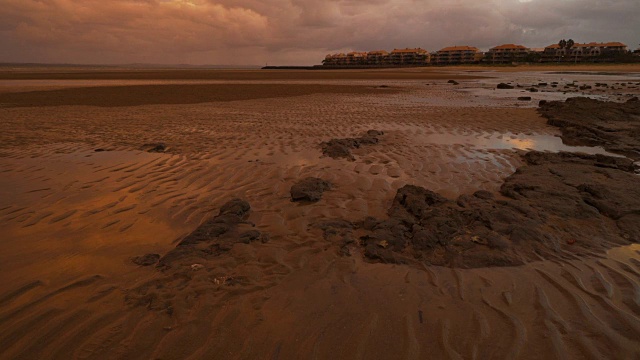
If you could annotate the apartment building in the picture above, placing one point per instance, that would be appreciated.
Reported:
(457, 55)
(581, 52)
(398, 57)
(415, 56)
(356, 58)
(502, 54)
(507, 54)
(335, 60)
(377, 57)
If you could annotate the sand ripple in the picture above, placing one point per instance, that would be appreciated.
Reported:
(73, 218)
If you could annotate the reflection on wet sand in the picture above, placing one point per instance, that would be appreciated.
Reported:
(507, 140)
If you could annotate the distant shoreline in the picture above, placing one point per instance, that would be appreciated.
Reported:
(7, 65)
(302, 72)
(491, 67)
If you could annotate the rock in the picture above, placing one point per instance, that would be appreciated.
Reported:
(335, 230)
(504, 86)
(236, 207)
(154, 147)
(484, 194)
(524, 98)
(217, 236)
(453, 82)
(554, 197)
(250, 236)
(338, 148)
(341, 148)
(219, 232)
(589, 122)
(532, 89)
(633, 99)
(146, 260)
(99, 150)
(309, 189)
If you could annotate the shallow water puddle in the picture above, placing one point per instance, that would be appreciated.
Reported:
(500, 141)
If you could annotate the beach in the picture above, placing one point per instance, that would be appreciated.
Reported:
(102, 167)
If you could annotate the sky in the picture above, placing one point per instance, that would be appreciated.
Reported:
(292, 32)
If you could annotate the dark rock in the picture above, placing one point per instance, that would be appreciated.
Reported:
(154, 147)
(532, 89)
(146, 260)
(483, 194)
(341, 148)
(554, 197)
(524, 98)
(453, 82)
(504, 86)
(369, 223)
(99, 150)
(633, 99)
(332, 228)
(216, 235)
(589, 122)
(249, 236)
(309, 189)
(236, 207)
(414, 201)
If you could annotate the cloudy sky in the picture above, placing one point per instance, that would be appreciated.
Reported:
(279, 32)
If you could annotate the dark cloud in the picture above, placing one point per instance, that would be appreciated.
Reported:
(292, 31)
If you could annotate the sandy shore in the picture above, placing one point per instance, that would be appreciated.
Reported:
(73, 218)
(231, 75)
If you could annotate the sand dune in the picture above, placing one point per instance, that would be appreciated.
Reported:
(72, 219)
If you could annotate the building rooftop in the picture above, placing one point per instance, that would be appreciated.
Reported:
(591, 44)
(459, 48)
(509, 47)
(407, 50)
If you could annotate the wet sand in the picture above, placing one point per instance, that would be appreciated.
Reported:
(73, 219)
(227, 75)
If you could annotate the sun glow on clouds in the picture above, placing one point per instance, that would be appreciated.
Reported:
(290, 31)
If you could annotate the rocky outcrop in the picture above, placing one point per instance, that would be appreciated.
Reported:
(341, 148)
(309, 189)
(589, 122)
(217, 235)
(556, 206)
